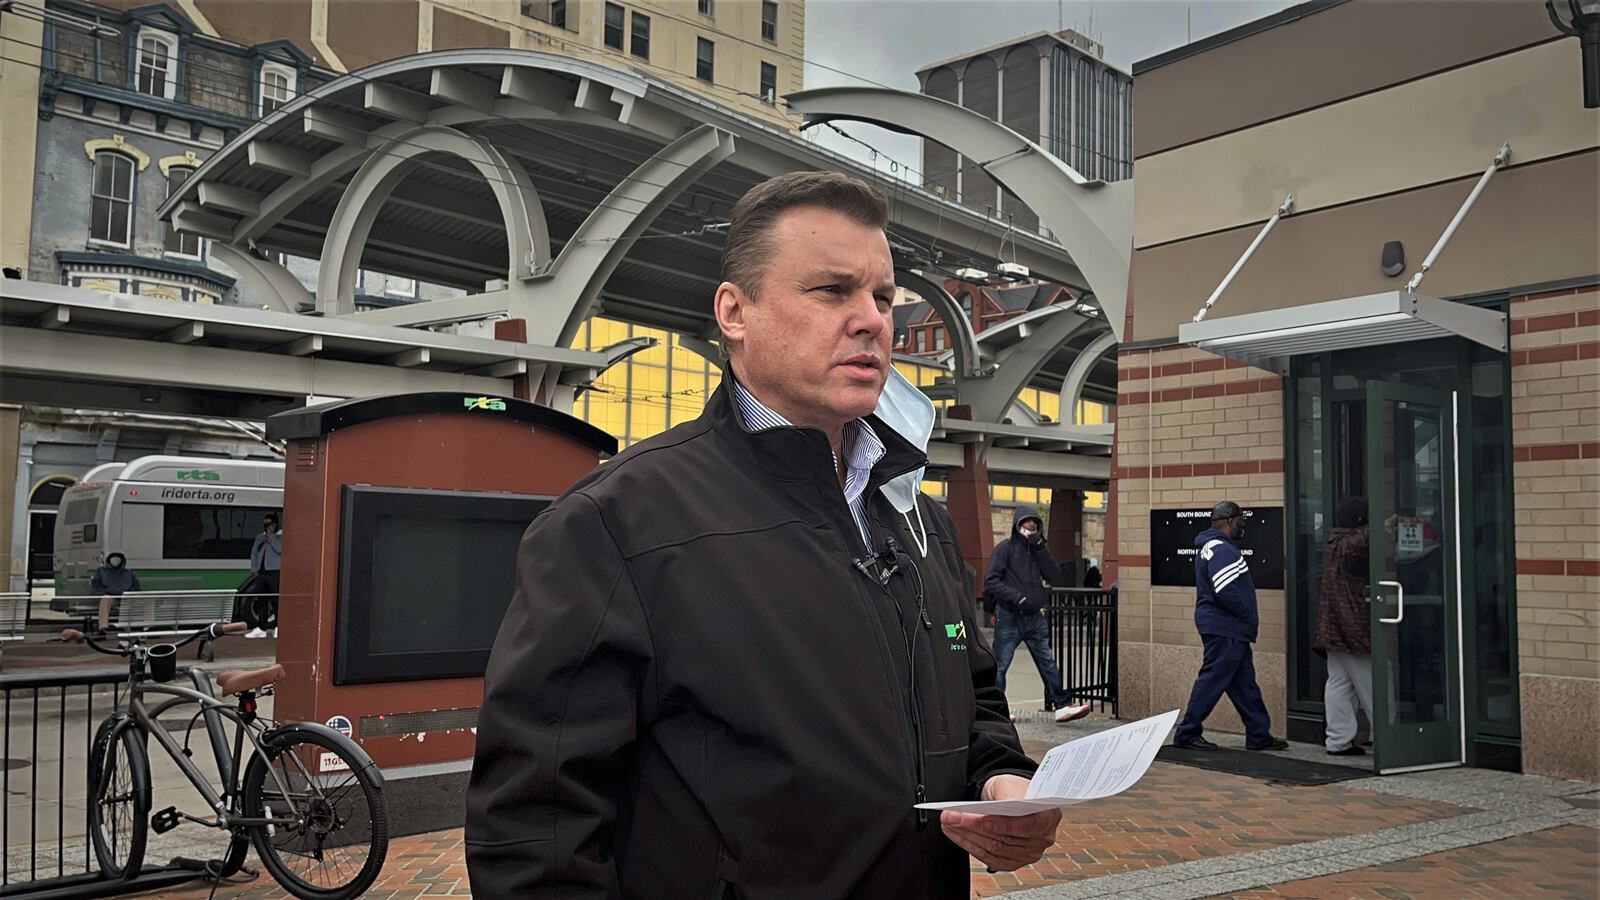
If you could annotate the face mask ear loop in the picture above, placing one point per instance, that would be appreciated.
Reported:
(922, 540)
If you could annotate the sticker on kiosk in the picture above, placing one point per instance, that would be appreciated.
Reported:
(331, 761)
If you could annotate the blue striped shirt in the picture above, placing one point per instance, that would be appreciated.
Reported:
(862, 446)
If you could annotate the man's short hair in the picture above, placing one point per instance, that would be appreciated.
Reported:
(749, 243)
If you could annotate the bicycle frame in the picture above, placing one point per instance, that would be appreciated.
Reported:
(148, 720)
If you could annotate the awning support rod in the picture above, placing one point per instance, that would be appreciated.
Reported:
(1450, 230)
(1288, 205)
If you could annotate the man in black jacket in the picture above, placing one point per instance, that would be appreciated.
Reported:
(1018, 572)
(729, 668)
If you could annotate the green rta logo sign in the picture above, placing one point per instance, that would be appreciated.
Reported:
(488, 403)
(956, 632)
(199, 475)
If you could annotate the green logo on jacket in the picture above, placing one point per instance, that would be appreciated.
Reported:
(957, 633)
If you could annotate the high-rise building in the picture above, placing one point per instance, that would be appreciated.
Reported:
(1053, 88)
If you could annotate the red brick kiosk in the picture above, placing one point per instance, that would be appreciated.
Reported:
(401, 518)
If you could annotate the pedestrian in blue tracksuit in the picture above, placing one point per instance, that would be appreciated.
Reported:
(1225, 615)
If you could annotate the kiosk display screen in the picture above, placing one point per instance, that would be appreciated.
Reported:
(425, 578)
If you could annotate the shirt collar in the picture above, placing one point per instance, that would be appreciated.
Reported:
(862, 446)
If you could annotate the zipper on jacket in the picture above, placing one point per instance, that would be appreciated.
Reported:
(913, 726)
(914, 707)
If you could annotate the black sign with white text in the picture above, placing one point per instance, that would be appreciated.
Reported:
(1172, 549)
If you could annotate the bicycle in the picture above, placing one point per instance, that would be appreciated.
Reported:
(310, 800)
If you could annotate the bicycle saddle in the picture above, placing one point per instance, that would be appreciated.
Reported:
(235, 682)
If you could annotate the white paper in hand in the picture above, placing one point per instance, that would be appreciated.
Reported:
(1088, 768)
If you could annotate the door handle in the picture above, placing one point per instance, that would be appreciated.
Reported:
(1400, 602)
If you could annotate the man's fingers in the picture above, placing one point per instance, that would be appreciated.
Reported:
(1022, 826)
(984, 850)
(1000, 853)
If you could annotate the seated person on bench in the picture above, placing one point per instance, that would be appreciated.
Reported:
(110, 582)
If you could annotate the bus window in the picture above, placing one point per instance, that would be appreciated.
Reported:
(210, 532)
(81, 511)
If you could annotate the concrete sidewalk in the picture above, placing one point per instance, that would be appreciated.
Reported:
(1187, 833)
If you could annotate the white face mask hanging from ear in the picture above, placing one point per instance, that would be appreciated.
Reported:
(903, 407)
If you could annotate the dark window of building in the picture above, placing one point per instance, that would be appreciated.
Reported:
(210, 532)
(613, 26)
(705, 60)
(176, 241)
(641, 36)
(769, 21)
(706, 8)
(111, 198)
(769, 83)
(922, 340)
(553, 12)
(940, 163)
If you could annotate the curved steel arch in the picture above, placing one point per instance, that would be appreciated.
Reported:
(963, 342)
(598, 246)
(991, 396)
(1092, 219)
(1078, 374)
(527, 235)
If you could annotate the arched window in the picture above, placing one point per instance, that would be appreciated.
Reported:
(47, 494)
(277, 87)
(158, 64)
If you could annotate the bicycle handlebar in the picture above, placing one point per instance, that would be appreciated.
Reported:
(210, 632)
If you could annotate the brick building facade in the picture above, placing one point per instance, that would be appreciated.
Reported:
(1483, 441)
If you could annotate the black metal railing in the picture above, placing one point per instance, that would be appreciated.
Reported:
(1083, 631)
(50, 721)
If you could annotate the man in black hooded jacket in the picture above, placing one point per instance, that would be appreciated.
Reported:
(1018, 570)
(730, 669)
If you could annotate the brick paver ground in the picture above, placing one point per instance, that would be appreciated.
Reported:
(1557, 862)
(1179, 813)
(424, 865)
(1176, 813)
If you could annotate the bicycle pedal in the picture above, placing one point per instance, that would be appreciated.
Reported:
(165, 820)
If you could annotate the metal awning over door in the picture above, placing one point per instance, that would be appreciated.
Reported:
(1268, 340)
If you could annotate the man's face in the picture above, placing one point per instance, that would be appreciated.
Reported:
(268, 525)
(814, 342)
(1029, 528)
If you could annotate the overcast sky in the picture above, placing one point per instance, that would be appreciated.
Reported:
(886, 41)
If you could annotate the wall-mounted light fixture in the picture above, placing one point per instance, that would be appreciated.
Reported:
(1394, 258)
(1581, 19)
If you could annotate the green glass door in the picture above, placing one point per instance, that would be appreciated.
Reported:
(1415, 573)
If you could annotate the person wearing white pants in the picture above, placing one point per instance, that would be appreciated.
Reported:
(1344, 627)
(1349, 684)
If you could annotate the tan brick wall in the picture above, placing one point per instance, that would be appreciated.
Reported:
(1555, 407)
(1192, 429)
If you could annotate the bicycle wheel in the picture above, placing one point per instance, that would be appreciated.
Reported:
(332, 832)
(119, 799)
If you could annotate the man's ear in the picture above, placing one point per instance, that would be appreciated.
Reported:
(730, 307)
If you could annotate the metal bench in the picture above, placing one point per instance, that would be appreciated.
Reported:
(173, 613)
(13, 620)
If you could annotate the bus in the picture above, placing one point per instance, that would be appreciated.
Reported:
(184, 523)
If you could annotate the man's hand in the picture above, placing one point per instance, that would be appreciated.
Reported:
(1003, 843)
